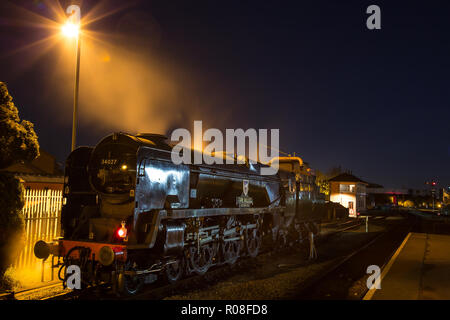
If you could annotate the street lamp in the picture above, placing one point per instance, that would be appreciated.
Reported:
(72, 30)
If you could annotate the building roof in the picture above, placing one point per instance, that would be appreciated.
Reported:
(387, 191)
(374, 185)
(44, 165)
(40, 178)
(346, 177)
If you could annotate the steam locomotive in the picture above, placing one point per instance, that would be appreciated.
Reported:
(130, 215)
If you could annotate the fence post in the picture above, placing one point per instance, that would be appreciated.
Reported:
(42, 270)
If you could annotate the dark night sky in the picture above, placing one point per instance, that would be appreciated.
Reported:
(375, 102)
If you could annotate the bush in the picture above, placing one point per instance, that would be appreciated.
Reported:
(18, 142)
(11, 223)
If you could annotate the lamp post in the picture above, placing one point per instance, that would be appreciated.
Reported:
(433, 190)
(72, 30)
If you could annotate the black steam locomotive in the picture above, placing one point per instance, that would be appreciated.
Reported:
(130, 215)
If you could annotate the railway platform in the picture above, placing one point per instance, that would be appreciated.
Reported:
(418, 270)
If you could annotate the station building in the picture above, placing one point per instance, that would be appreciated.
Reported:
(349, 191)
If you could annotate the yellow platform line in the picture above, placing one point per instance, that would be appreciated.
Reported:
(386, 269)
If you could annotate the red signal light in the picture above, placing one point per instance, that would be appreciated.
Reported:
(122, 232)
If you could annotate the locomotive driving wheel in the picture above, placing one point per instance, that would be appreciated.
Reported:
(282, 239)
(130, 284)
(253, 242)
(303, 232)
(175, 271)
(200, 259)
(230, 251)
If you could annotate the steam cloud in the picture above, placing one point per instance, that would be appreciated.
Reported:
(125, 86)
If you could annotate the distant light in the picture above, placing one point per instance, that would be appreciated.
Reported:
(70, 30)
(124, 167)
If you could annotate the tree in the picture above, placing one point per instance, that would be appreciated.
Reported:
(322, 183)
(322, 179)
(18, 142)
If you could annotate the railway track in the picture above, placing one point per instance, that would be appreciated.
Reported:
(346, 279)
(33, 293)
(28, 294)
(159, 290)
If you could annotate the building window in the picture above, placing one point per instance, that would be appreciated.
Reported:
(347, 188)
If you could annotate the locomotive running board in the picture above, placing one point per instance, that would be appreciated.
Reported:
(208, 212)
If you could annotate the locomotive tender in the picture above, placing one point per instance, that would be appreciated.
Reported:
(130, 215)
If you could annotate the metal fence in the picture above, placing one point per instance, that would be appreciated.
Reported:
(42, 212)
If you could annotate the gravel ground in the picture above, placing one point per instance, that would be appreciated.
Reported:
(281, 275)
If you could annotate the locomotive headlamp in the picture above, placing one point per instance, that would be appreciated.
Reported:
(106, 256)
(122, 232)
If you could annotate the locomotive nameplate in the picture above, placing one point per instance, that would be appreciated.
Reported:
(244, 201)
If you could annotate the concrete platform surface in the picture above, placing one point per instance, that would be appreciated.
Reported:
(419, 270)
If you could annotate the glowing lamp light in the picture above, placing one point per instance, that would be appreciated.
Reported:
(122, 232)
(124, 167)
(70, 30)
